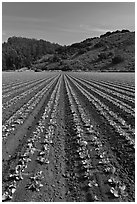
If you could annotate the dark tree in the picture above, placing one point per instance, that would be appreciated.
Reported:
(19, 52)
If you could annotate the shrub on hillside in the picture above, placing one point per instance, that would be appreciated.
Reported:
(125, 31)
(88, 48)
(110, 54)
(66, 68)
(117, 59)
(99, 44)
(106, 34)
(82, 51)
(102, 55)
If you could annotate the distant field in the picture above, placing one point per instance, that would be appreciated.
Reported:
(68, 136)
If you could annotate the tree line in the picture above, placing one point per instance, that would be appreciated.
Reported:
(20, 52)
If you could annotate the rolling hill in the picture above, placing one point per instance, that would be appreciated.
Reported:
(113, 51)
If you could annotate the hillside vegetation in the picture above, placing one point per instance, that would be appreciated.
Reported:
(21, 52)
(113, 51)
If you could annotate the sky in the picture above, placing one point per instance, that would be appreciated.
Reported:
(65, 22)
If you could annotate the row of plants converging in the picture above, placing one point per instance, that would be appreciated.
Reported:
(123, 106)
(21, 96)
(89, 147)
(68, 127)
(20, 116)
(116, 85)
(8, 85)
(120, 89)
(41, 137)
(109, 89)
(115, 121)
(13, 90)
(114, 101)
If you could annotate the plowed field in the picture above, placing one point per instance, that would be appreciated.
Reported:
(68, 137)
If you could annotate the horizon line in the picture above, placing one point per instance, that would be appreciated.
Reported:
(65, 44)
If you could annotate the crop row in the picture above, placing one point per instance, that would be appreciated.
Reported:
(15, 80)
(107, 89)
(90, 146)
(120, 89)
(19, 117)
(124, 85)
(20, 96)
(18, 85)
(123, 129)
(23, 87)
(7, 85)
(68, 139)
(32, 153)
(104, 79)
(125, 107)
